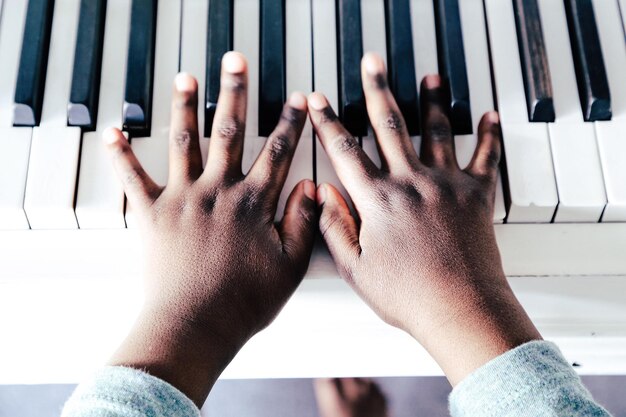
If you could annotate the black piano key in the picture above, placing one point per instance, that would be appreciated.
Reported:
(31, 77)
(82, 109)
(272, 65)
(451, 56)
(219, 41)
(535, 69)
(352, 111)
(401, 66)
(593, 86)
(140, 68)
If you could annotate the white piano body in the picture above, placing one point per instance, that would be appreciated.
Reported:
(67, 299)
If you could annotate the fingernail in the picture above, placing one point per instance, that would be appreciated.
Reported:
(432, 81)
(184, 82)
(321, 194)
(233, 62)
(110, 136)
(373, 63)
(297, 100)
(317, 101)
(309, 190)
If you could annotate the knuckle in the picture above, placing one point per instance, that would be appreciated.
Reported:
(133, 177)
(344, 143)
(185, 137)
(491, 159)
(392, 122)
(327, 115)
(438, 128)
(378, 82)
(234, 83)
(248, 202)
(291, 116)
(185, 100)
(279, 147)
(230, 128)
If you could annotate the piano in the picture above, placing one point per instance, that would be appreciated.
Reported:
(70, 256)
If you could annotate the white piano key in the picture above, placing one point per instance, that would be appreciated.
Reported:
(53, 165)
(479, 79)
(424, 38)
(299, 77)
(424, 46)
(573, 141)
(325, 80)
(14, 154)
(246, 21)
(152, 151)
(610, 134)
(193, 54)
(531, 181)
(374, 40)
(14, 141)
(622, 7)
(100, 198)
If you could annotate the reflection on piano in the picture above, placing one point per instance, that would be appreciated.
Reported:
(70, 68)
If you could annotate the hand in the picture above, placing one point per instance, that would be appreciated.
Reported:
(424, 254)
(218, 269)
(349, 397)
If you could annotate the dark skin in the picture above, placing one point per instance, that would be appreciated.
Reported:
(349, 397)
(218, 269)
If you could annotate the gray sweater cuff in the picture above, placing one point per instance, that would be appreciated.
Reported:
(533, 379)
(116, 391)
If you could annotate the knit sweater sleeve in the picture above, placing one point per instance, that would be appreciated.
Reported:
(116, 391)
(533, 379)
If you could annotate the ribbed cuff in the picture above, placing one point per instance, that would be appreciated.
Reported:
(117, 391)
(533, 379)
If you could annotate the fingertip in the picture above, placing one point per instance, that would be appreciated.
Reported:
(297, 100)
(234, 62)
(431, 82)
(112, 135)
(322, 193)
(309, 189)
(373, 63)
(185, 83)
(492, 117)
(317, 101)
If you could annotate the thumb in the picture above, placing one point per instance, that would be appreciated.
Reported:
(339, 229)
(297, 228)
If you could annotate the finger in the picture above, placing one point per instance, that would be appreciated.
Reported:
(354, 168)
(140, 190)
(297, 228)
(437, 141)
(327, 390)
(185, 158)
(272, 166)
(486, 157)
(339, 229)
(350, 387)
(227, 134)
(392, 136)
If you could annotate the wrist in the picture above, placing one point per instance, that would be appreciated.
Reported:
(185, 353)
(481, 325)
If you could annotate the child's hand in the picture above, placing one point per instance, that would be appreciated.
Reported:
(218, 269)
(424, 255)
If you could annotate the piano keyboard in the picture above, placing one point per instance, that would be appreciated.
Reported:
(84, 65)
(70, 68)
